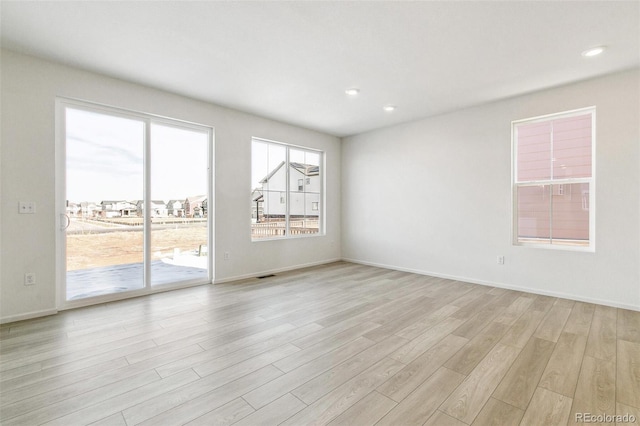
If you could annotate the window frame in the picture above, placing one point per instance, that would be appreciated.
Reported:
(515, 184)
(290, 188)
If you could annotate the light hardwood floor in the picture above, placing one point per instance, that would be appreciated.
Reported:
(339, 344)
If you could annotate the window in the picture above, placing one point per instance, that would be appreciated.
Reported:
(554, 180)
(286, 190)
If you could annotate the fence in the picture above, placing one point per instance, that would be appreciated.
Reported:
(278, 228)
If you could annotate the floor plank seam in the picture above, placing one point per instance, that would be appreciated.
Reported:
(232, 332)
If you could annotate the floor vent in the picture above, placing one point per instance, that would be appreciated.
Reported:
(266, 276)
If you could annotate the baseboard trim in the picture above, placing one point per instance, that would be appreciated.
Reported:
(559, 294)
(47, 312)
(274, 271)
(28, 315)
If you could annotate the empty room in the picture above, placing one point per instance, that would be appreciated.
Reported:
(319, 212)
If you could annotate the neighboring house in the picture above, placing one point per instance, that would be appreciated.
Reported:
(158, 208)
(193, 206)
(205, 206)
(89, 209)
(304, 191)
(175, 208)
(73, 209)
(570, 205)
(256, 205)
(118, 208)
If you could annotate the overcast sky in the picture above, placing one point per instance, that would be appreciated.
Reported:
(105, 159)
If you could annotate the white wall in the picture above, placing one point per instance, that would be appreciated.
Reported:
(29, 88)
(434, 196)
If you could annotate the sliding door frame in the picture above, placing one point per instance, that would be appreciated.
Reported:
(61, 219)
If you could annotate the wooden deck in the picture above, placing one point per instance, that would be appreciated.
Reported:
(340, 344)
(115, 279)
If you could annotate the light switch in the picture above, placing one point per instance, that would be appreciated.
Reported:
(26, 207)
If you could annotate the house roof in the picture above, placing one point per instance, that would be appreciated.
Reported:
(305, 169)
(273, 172)
(196, 199)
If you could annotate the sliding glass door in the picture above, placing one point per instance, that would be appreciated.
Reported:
(133, 198)
(178, 204)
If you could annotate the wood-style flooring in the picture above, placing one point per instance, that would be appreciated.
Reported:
(339, 344)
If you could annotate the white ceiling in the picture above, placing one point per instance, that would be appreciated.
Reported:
(292, 61)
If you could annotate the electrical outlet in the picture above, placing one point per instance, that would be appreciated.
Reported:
(500, 260)
(30, 278)
(227, 255)
(26, 207)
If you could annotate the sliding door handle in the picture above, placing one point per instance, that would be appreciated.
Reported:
(66, 220)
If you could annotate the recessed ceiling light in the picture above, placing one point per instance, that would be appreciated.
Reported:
(593, 51)
(352, 92)
(389, 108)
